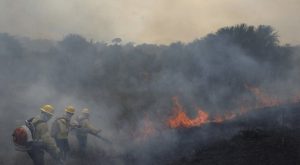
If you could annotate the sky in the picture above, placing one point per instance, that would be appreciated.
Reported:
(145, 21)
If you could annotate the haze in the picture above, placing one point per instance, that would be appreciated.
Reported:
(149, 21)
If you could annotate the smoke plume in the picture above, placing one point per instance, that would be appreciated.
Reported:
(128, 87)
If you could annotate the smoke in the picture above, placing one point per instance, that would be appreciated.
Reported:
(128, 88)
(144, 21)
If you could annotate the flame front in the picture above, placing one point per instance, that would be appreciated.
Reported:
(180, 119)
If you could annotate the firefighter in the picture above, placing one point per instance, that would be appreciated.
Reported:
(84, 127)
(60, 130)
(42, 141)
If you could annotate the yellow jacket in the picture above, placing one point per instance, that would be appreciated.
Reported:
(60, 128)
(42, 135)
(85, 127)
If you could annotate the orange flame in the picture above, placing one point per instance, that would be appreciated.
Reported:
(180, 118)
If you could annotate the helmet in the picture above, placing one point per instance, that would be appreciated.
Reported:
(49, 109)
(85, 110)
(70, 109)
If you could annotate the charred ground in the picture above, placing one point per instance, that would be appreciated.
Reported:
(258, 140)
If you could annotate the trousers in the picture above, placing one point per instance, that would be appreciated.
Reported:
(63, 145)
(37, 155)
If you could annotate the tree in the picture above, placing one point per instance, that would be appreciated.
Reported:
(116, 40)
(74, 43)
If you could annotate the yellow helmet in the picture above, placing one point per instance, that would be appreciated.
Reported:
(70, 109)
(85, 110)
(49, 109)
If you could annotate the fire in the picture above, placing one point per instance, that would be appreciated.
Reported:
(180, 119)
(263, 99)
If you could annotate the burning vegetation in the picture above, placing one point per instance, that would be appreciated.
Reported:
(180, 118)
(229, 89)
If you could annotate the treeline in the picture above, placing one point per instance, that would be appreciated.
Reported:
(210, 72)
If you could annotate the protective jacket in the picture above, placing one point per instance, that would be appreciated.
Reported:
(42, 137)
(60, 128)
(84, 126)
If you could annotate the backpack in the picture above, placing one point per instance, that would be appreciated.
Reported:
(23, 136)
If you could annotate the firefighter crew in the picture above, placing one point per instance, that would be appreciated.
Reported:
(60, 130)
(42, 141)
(84, 127)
